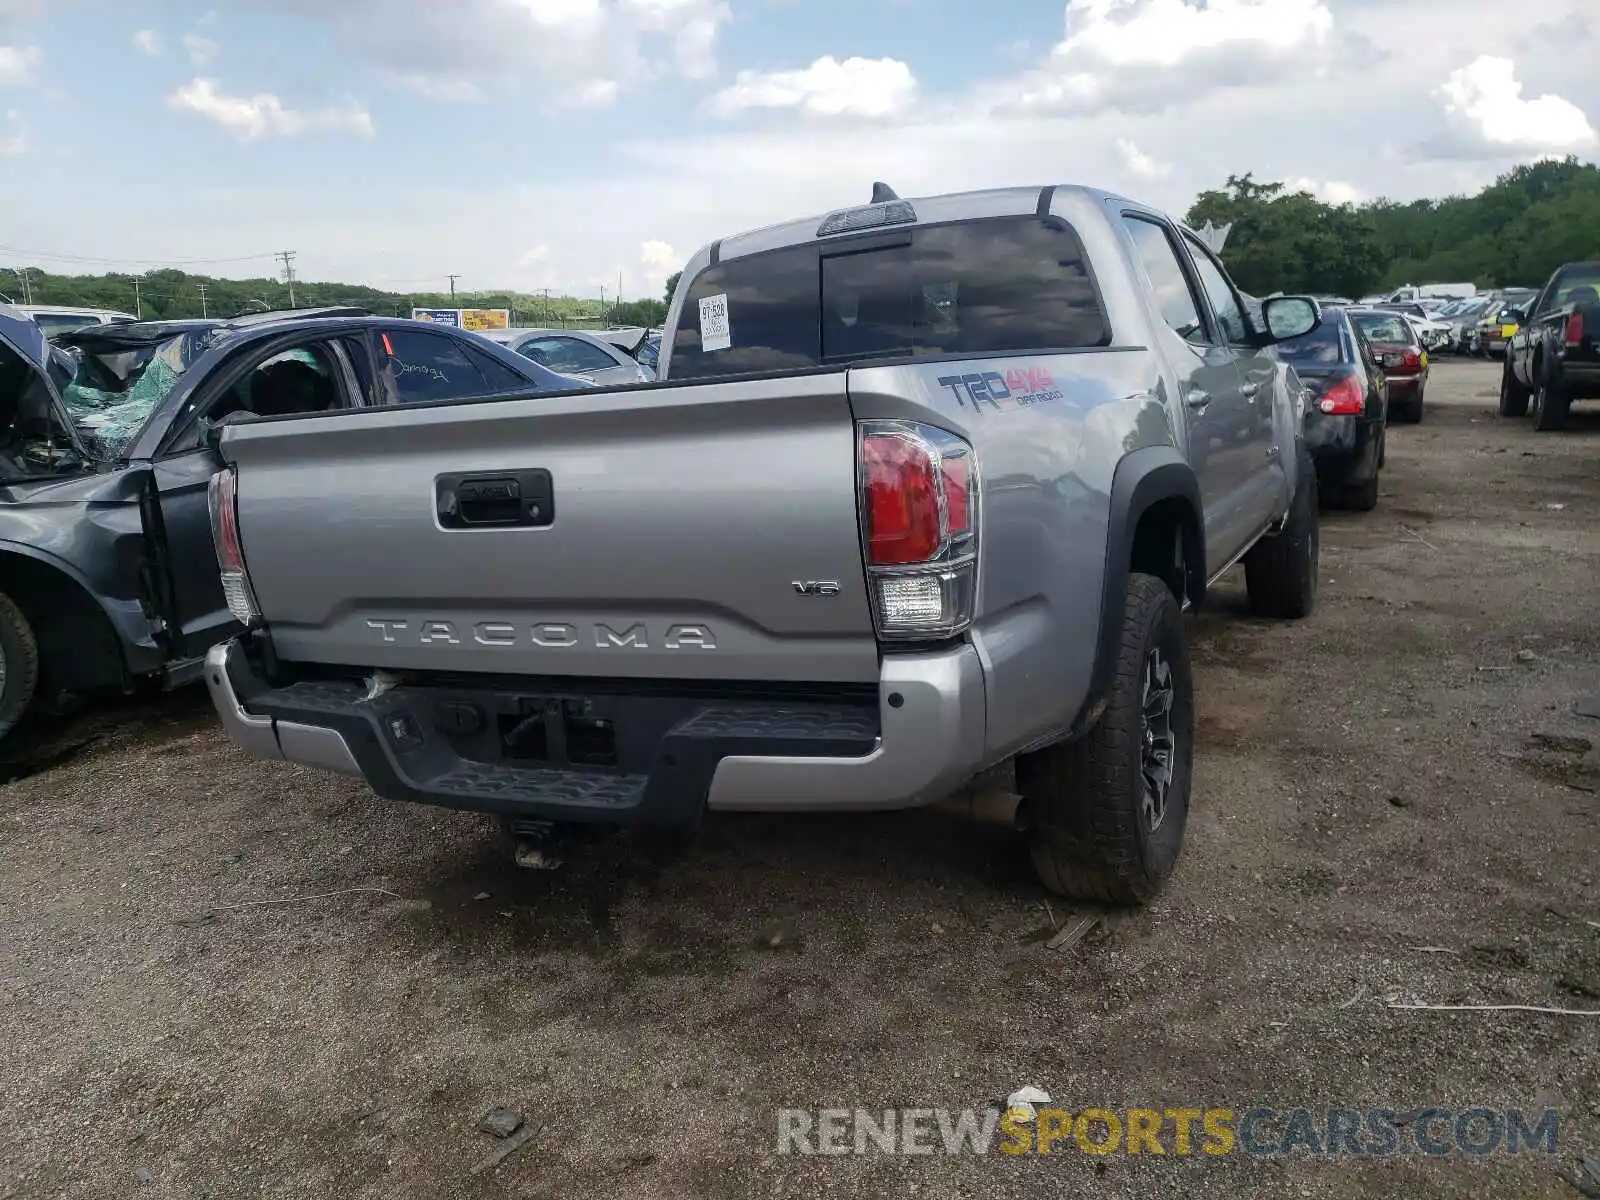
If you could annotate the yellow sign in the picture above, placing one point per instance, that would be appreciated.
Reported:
(486, 318)
(1508, 331)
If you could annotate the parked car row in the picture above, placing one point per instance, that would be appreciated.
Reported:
(1364, 368)
(917, 523)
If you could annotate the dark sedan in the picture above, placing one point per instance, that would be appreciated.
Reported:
(1400, 356)
(1346, 409)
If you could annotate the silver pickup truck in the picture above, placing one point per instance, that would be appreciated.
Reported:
(920, 499)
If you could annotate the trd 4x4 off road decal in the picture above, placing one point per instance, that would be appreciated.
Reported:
(1021, 387)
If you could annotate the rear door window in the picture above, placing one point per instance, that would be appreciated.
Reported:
(966, 288)
(1323, 346)
(419, 368)
(566, 354)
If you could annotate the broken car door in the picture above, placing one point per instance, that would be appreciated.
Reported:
(268, 380)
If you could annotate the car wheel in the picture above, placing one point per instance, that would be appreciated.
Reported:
(1550, 405)
(1105, 814)
(1280, 572)
(1513, 396)
(19, 664)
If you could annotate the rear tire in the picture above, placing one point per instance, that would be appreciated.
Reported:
(1513, 396)
(19, 664)
(1105, 814)
(1550, 406)
(1410, 413)
(1280, 572)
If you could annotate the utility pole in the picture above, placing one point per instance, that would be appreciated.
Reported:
(453, 279)
(288, 271)
(27, 286)
(138, 308)
(546, 314)
(203, 310)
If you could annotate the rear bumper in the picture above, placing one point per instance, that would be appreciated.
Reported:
(1343, 449)
(918, 738)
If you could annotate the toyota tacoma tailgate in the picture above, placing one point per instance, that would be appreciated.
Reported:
(700, 532)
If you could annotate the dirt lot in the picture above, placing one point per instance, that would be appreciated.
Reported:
(1368, 784)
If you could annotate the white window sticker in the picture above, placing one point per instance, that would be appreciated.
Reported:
(714, 331)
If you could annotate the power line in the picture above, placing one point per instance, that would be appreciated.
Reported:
(91, 259)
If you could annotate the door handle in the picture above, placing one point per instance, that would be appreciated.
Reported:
(1197, 398)
(514, 499)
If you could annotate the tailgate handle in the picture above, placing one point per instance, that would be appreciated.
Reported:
(509, 500)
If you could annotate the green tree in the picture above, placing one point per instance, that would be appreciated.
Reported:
(645, 313)
(1516, 231)
(672, 285)
(1290, 241)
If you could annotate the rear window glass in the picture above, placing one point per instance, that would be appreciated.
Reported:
(969, 288)
(1576, 287)
(1380, 327)
(1322, 345)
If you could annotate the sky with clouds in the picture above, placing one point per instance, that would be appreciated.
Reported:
(567, 143)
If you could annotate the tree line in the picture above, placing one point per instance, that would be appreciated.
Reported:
(170, 293)
(1513, 233)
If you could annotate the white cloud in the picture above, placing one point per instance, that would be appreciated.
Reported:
(1162, 33)
(17, 63)
(263, 114)
(565, 53)
(1139, 164)
(1330, 191)
(1146, 54)
(1486, 96)
(657, 262)
(533, 257)
(201, 50)
(147, 41)
(856, 87)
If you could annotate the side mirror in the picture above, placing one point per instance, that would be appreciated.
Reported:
(1289, 317)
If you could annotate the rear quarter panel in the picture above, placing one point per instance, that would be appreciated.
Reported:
(1049, 433)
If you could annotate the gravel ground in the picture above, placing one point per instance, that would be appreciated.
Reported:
(1401, 771)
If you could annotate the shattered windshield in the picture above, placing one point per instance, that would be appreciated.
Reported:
(114, 389)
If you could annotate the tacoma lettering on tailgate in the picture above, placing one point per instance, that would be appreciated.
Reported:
(553, 635)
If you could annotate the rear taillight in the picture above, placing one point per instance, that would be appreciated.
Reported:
(230, 554)
(1573, 334)
(1411, 361)
(919, 518)
(1343, 398)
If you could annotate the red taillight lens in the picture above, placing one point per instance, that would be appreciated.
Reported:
(957, 473)
(236, 589)
(1573, 335)
(902, 501)
(1343, 399)
(1413, 362)
(225, 522)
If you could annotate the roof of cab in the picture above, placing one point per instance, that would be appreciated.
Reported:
(951, 206)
